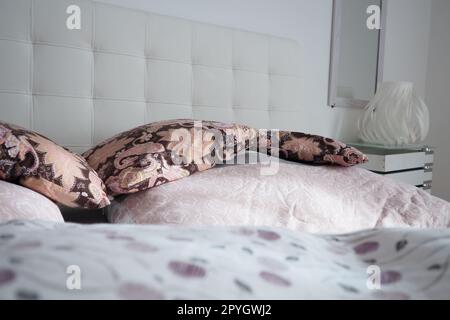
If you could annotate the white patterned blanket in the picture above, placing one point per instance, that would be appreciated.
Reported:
(43, 260)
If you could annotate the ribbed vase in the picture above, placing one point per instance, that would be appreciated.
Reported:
(395, 116)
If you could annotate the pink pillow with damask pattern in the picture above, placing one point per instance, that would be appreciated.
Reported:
(39, 164)
(19, 203)
(143, 157)
(312, 149)
(146, 156)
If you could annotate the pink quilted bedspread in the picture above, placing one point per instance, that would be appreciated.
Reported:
(306, 198)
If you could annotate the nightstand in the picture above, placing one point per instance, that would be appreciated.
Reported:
(412, 165)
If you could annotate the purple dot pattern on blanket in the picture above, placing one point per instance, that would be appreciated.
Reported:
(274, 279)
(137, 291)
(268, 235)
(187, 270)
(6, 276)
(366, 247)
(388, 277)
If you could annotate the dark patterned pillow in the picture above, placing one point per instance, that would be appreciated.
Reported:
(164, 151)
(307, 148)
(39, 164)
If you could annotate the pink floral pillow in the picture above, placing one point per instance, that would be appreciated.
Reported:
(39, 164)
(304, 147)
(160, 152)
(314, 149)
(19, 203)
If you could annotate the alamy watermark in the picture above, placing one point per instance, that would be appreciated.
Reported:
(73, 21)
(73, 281)
(374, 277)
(374, 20)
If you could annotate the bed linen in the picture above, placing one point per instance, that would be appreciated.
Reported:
(300, 197)
(17, 202)
(167, 262)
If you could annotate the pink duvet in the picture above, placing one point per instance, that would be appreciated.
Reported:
(307, 198)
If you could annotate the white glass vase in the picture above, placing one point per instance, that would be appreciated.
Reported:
(395, 116)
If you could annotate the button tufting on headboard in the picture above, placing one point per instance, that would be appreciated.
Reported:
(126, 67)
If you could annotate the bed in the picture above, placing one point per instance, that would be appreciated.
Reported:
(305, 232)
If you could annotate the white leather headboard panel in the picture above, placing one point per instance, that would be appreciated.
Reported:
(125, 68)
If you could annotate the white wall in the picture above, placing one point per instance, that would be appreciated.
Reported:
(406, 49)
(308, 21)
(437, 95)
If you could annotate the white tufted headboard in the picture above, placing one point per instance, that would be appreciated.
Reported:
(126, 67)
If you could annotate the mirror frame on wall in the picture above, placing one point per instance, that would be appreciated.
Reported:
(333, 99)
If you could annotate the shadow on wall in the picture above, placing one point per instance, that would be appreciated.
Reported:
(437, 89)
(345, 127)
